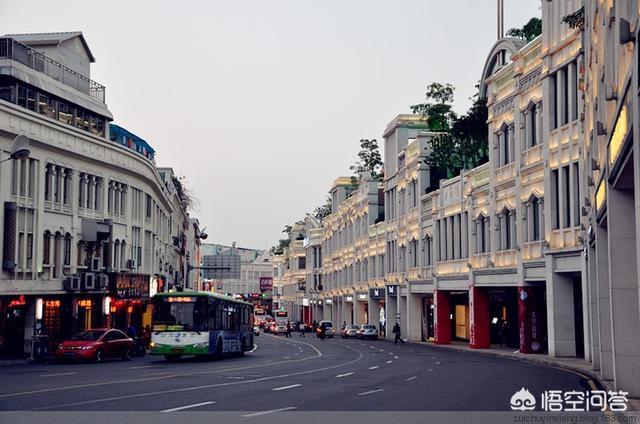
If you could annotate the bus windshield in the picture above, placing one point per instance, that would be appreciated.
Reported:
(180, 313)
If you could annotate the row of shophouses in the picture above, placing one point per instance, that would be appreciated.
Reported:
(91, 227)
(536, 249)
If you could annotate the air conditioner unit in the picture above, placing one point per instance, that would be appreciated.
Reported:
(89, 281)
(102, 281)
(131, 263)
(72, 283)
(95, 264)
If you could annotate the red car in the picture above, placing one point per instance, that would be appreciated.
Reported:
(97, 344)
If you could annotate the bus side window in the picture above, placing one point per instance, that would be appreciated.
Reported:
(213, 309)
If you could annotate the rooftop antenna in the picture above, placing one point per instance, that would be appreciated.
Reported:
(500, 19)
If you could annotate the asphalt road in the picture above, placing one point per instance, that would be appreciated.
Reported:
(283, 374)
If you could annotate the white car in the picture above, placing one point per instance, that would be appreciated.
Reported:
(280, 328)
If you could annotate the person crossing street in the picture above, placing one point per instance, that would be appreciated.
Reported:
(398, 334)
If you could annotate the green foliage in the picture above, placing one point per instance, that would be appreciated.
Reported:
(575, 19)
(321, 212)
(437, 110)
(463, 140)
(529, 31)
(369, 160)
(282, 243)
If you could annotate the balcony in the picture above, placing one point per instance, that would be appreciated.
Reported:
(506, 258)
(481, 260)
(533, 250)
(14, 50)
(455, 266)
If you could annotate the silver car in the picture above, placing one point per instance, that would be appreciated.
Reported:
(368, 331)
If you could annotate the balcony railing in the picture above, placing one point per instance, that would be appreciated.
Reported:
(14, 50)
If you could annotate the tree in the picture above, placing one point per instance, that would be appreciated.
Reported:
(529, 31)
(437, 110)
(321, 212)
(462, 141)
(283, 243)
(369, 160)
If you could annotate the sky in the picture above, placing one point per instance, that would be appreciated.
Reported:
(260, 104)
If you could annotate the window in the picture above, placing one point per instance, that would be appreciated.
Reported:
(82, 119)
(65, 113)
(507, 229)
(555, 200)
(27, 98)
(7, 91)
(46, 248)
(483, 234)
(24, 177)
(576, 194)
(46, 105)
(534, 219)
(67, 250)
(302, 262)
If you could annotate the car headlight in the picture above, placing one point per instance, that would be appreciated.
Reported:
(152, 345)
(60, 346)
(201, 345)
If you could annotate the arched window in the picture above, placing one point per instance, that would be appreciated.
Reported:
(46, 248)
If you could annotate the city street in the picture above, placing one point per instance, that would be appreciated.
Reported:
(286, 375)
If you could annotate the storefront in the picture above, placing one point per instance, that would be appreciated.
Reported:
(428, 310)
(130, 305)
(12, 325)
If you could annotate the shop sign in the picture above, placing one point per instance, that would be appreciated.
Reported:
(376, 294)
(266, 284)
(392, 290)
(132, 286)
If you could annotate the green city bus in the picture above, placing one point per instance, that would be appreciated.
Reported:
(200, 323)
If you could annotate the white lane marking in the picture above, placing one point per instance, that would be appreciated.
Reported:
(374, 367)
(58, 374)
(430, 369)
(164, 377)
(437, 363)
(286, 387)
(395, 357)
(369, 392)
(255, 347)
(287, 357)
(411, 378)
(344, 375)
(180, 408)
(390, 353)
(381, 350)
(388, 362)
(371, 347)
(434, 358)
(140, 367)
(361, 344)
(271, 411)
(207, 386)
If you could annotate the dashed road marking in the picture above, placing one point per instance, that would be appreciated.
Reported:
(271, 411)
(286, 387)
(140, 367)
(395, 357)
(370, 392)
(374, 367)
(371, 347)
(58, 374)
(195, 405)
(430, 369)
(437, 363)
(345, 374)
(381, 350)
(390, 361)
(411, 378)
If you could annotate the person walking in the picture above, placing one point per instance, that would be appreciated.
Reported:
(398, 334)
(321, 332)
(302, 327)
(288, 328)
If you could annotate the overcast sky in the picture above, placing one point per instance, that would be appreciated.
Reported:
(260, 104)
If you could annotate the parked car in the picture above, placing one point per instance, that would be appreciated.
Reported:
(368, 331)
(97, 344)
(328, 329)
(349, 331)
(269, 324)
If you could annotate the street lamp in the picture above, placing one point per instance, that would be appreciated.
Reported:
(19, 148)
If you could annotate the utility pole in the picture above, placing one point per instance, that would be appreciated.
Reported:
(500, 20)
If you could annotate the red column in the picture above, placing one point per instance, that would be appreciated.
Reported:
(442, 320)
(531, 320)
(479, 318)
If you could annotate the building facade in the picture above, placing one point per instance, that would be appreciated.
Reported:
(87, 216)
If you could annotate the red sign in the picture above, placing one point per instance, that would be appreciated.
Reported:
(266, 284)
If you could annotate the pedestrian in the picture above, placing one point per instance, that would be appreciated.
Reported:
(398, 334)
(132, 331)
(344, 325)
(314, 325)
(303, 329)
(321, 332)
(146, 336)
(288, 328)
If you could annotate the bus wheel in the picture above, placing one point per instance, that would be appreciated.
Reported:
(171, 358)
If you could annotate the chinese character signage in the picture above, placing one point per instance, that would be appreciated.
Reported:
(266, 284)
(132, 286)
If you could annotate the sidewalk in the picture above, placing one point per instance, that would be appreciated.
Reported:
(576, 365)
